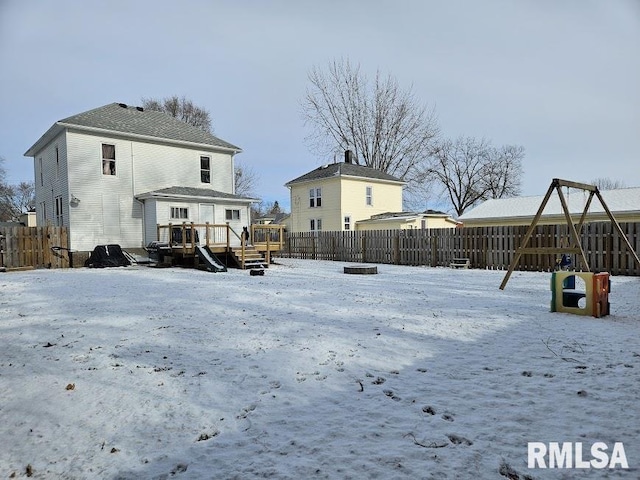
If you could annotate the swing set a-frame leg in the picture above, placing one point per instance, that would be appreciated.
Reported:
(573, 232)
(527, 236)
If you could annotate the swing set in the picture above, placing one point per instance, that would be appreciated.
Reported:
(573, 245)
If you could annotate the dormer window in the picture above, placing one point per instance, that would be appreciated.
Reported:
(205, 169)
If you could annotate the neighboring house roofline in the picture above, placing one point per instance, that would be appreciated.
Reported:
(623, 201)
(337, 170)
(275, 218)
(553, 218)
(352, 177)
(406, 217)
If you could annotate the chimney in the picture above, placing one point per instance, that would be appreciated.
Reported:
(348, 156)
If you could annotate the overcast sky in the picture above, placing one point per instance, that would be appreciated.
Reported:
(561, 78)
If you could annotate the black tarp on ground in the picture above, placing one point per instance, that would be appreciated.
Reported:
(107, 256)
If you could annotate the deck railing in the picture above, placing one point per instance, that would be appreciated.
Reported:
(269, 236)
(188, 235)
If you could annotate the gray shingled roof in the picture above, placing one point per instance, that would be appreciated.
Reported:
(344, 170)
(118, 117)
(194, 192)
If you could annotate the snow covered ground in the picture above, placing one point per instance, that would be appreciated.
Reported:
(306, 372)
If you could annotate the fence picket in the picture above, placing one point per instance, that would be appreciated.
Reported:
(486, 247)
(31, 247)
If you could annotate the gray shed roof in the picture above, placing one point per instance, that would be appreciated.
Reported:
(173, 192)
(344, 170)
(124, 119)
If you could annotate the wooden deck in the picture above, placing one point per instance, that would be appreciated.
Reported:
(263, 241)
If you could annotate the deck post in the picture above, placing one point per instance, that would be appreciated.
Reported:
(268, 246)
(193, 238)
(242, 241)
(206, 233)
(184, 237)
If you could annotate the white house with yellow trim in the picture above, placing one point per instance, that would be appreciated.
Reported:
(408, 221)
(336, 196)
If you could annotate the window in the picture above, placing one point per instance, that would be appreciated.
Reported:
(108, 159)
(315, 197)
(57, 162)
(369, 196)
(205, 169)
(41, 174)
(58, 211)
(347, 223)
(179, 213)
(230, 214)
(315, 224)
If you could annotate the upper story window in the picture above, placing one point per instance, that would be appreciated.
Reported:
(179, 213)
(205, 169)
(40, 168)
(108, 159)
(315, 197)
(369, 196)
(347, 223)
(57, 162)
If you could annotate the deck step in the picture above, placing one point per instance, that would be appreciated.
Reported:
(252, 258)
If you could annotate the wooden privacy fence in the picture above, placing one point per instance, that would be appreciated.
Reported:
(485, 247)
(33, 247)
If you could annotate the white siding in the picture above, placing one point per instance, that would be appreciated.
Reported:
(101, 196)
(107, 211)
(159, 166)
(150, 221)
(161, 211)
(51, 181)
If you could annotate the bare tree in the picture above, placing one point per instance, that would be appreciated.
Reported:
(470, 170)
(14, 199)
(246, 180)
(4, 207)
(182, 109)
(606, 183)
(503, 174)
(262, 209)
(385, 126)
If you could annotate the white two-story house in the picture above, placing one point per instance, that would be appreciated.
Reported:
(112, 174)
